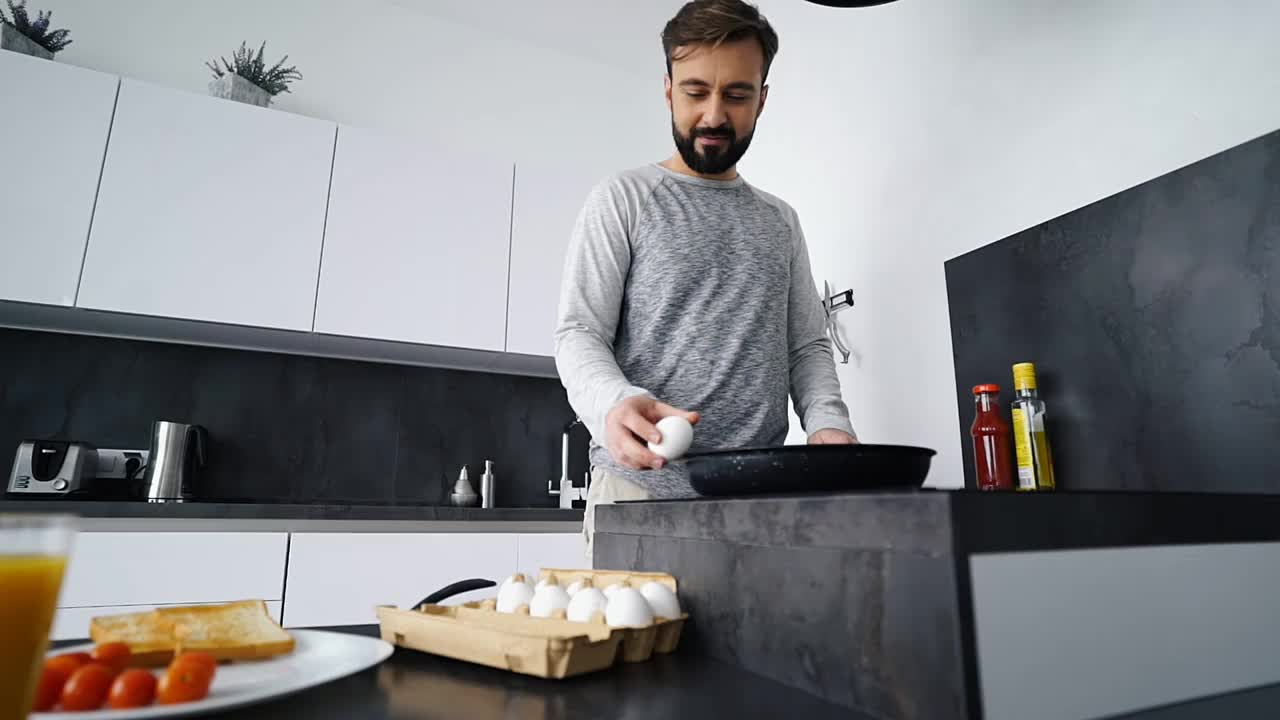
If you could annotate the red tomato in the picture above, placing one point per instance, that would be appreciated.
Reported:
(87, 688)
(115, 655)
(68, 663)
(50, 687)
(187, 679)
(132, 689)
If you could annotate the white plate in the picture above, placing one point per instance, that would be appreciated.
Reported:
(318, 657)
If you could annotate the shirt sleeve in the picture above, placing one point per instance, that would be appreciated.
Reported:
(815, 388)
(595, 274)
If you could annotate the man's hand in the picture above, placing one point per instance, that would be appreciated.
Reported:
(630, 425)
(831, 436)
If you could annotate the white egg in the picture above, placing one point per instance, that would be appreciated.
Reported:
(677, 436)
(518, 577)
(661, 600)
(547, 599)
(628, 608)
(586, 603)
(514, 593)
(609, 591)
(545, 583)
(576, 586)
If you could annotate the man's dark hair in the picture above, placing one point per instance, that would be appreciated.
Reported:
(713, 22)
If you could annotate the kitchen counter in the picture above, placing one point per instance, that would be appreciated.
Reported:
(279, 517)
(411, 685)
(942, 604)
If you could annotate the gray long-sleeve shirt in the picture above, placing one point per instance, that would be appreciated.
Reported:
(699, 293)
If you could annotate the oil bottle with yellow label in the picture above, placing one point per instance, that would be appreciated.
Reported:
(1031, 444)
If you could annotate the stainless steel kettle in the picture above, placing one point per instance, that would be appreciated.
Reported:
(178, 452)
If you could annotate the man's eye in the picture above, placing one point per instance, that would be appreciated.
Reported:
(736, 98)
(696, 95)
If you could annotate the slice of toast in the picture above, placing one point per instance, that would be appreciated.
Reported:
(233, 631)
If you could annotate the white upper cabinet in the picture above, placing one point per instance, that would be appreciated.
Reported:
(417, 244)
(547, 202)
(209, 210)
(54, 123)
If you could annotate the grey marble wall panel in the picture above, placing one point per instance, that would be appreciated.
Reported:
(914, 521)
(289, 428)
(872, 630)
(1154, 317)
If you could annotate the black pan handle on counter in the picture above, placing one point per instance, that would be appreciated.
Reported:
(457, 588)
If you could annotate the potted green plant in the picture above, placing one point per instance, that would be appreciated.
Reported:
(247, 79)
(19, 33)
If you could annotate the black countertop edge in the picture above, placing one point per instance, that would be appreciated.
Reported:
(1031, 522)
(961, 522)
(294, 511)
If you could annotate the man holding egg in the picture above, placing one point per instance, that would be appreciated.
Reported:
(687, 297)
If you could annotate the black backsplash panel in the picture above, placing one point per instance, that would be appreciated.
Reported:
(290, 428)
(1154, 317)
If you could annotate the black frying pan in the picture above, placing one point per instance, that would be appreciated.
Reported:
(808, 468)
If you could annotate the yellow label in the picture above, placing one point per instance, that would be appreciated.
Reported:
(1023, 452)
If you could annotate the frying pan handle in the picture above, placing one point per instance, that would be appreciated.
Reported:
(457, 588)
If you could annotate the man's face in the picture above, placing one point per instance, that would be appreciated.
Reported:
(715, 96)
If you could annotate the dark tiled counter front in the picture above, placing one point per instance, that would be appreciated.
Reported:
(107, 515)
(867, 600)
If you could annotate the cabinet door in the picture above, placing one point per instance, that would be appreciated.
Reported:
(165, 568)
(54, 124)
(546, 204)
(417, 244)
(560, 551)
(209, 210)
(341, 578)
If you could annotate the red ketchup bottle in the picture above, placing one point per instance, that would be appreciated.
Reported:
(992, 453)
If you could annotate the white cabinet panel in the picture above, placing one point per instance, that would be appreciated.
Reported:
(209, 210)
(340, 578)
(416, 245)
(565, 551)
(55, 123)
(73, 623)
(164, 568)
(546, 204)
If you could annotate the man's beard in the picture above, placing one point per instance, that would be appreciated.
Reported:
(716, 160)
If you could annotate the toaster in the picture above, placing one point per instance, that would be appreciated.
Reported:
(52, 467)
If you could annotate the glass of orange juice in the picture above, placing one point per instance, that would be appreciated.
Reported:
(33, 555)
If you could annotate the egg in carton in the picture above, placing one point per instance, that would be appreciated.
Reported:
(658, 591)
(644, 606)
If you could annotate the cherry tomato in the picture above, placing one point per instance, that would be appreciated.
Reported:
(87, 688)
(132, 689)
(187, 679)
(69, 662)
(115, 655)
(50, 688)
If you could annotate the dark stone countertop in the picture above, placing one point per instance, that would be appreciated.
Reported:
(412, 685)
(960, 521)
(251, 516)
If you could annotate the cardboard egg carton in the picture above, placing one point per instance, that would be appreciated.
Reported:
(545, 647)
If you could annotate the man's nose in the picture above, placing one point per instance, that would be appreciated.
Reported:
(714, 115)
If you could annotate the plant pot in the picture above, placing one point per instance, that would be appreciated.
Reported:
(11, 39)
(234, 87)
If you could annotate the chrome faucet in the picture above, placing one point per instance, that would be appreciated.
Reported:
(568, 492)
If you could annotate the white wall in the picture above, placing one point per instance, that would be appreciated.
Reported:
(910, 133)
(904, 134)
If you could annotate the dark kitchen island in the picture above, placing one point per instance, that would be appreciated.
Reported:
(940, 605)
